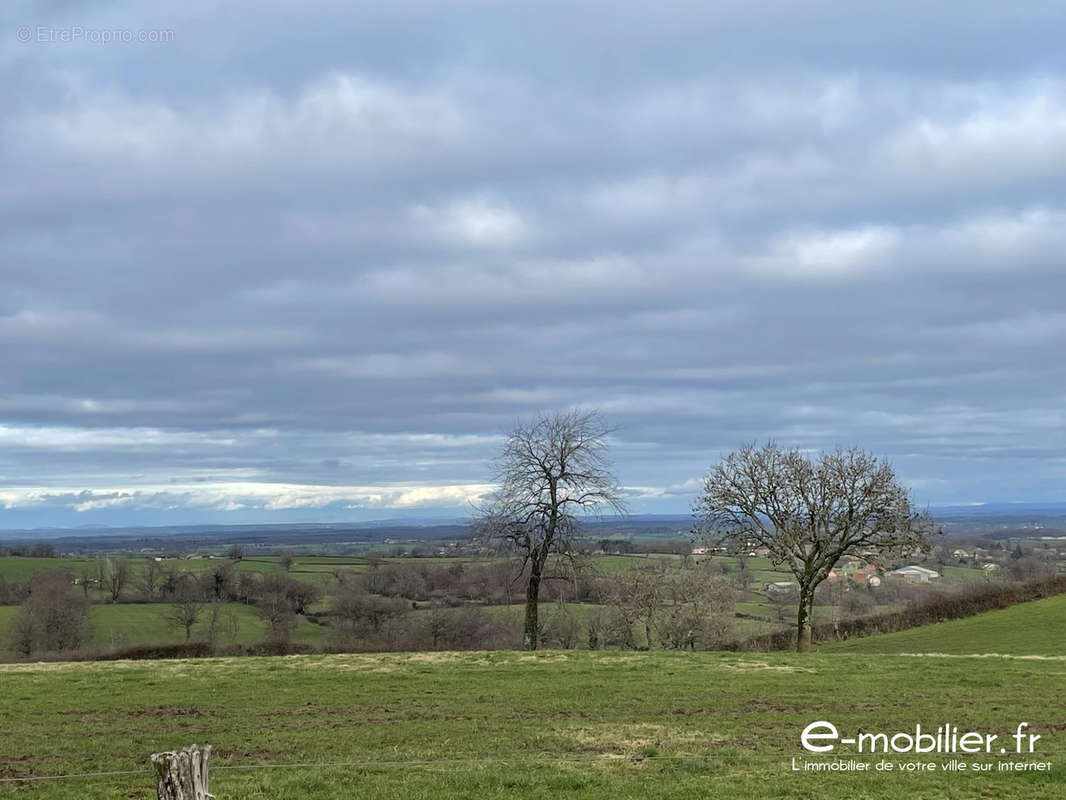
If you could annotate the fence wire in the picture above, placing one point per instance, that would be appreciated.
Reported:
(453, 762)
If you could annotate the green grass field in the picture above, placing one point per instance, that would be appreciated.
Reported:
(147, 623)
(517, 725)
(16, 569)
(1036, 628)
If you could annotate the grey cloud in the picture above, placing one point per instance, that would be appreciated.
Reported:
(350, 247)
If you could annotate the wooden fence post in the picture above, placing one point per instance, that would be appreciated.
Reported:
(182, 775)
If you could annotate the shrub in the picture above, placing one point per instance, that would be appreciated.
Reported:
(53, 618)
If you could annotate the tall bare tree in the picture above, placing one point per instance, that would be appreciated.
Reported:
(550, 473)
(188, 603)
(116, 573)
(810, 512)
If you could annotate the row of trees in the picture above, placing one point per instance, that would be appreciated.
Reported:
(54, 611)
(30, 550)
(641, 610)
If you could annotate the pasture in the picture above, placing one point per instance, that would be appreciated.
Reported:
(1036, 628)
(517, 725)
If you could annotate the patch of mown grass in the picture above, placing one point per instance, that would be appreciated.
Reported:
(510, 724)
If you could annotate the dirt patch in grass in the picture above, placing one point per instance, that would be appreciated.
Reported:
(65, 666)
(981, 655)
(438, 658)
(744, 666)
(614, 741)
(545, 658)
(612, 659)
(364, 667)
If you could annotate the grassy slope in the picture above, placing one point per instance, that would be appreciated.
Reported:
(514, 725)
(1034, 628)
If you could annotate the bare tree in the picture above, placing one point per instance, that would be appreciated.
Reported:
(562, 628)
(697, 610)
(636, 596)
(86, 578)
(276, 610)
(116, 575)
(53, 617)
(780, 601)
(151, 577)
(809, 513)
(362, 620)
(549, 473)
(286, 559)
(221, 620)
(188, 604)
(280, 600)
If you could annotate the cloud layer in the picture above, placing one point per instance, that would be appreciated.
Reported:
(322, 259)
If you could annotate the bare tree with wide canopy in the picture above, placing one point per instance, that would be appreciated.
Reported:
(809, 513)
(549, 474)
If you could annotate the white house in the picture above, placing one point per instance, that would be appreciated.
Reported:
(914, 574)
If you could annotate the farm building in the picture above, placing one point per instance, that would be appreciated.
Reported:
(914, 574)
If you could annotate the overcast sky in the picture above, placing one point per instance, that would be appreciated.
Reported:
(310, 261)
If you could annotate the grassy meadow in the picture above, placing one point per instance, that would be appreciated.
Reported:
(508, 724)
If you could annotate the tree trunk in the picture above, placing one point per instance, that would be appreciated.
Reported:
(532, 628)
(803, 620)
(182, 775)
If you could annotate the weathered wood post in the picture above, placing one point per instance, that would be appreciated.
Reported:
(182, 775)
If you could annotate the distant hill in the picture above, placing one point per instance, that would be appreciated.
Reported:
(193, 537)
(1002, 520)
(989, 521)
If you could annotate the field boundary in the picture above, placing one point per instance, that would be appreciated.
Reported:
(967, 601)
